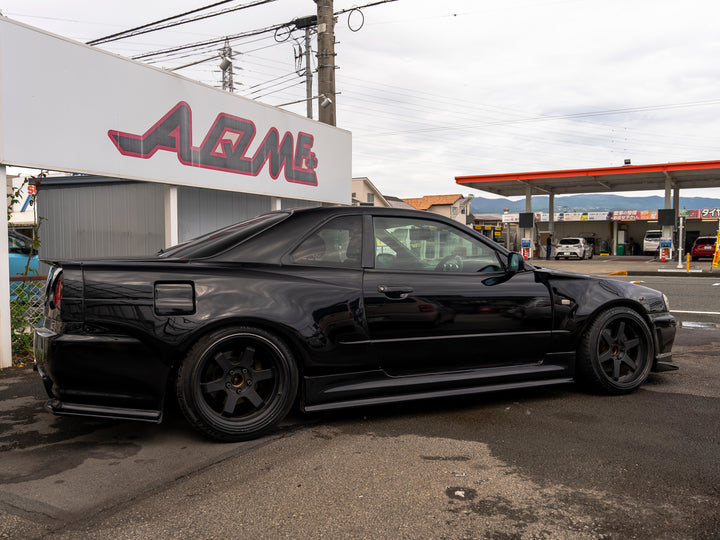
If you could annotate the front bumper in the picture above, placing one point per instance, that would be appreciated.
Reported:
(664, 327)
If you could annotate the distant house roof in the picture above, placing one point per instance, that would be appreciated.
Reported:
(423, 203)
(397, 202)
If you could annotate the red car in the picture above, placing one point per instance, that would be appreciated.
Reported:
(704, 246)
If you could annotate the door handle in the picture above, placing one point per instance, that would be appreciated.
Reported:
(395, 292)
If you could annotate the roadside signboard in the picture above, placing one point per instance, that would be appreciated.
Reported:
(103, 114)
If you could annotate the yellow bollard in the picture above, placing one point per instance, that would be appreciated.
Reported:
(688, 262)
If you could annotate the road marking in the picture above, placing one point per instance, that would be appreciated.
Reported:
(695, 312)
(688, 324)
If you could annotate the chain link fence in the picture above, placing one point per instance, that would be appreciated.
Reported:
(26, 310)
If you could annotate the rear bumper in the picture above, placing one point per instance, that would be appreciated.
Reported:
(58, 407)
(109, 376)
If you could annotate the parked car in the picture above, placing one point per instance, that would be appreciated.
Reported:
(337, 307)
(651, 241)
(23, 261)
(704, 246)
(574, 247)
(21, 251)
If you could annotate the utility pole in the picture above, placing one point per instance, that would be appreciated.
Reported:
(326, 60)
(227, 68)
(308, 73)
(307, 23)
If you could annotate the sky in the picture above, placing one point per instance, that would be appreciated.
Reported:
(432, 90)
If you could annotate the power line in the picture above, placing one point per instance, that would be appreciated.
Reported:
(210, 42)
(249, 33)
(153, 26)
(281, 89)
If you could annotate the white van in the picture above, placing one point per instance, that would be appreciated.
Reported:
(651, 242)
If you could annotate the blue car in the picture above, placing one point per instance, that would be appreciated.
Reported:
(20, 249)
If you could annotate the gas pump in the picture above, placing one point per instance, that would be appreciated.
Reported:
(665, 249)
(526, 248)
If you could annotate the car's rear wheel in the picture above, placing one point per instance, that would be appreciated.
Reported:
(237, 383)
(615, 353)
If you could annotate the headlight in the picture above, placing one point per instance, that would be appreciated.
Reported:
(667, 302)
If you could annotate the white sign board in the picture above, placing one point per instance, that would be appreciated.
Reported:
(97, 113)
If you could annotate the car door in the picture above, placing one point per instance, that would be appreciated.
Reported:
(437, 300)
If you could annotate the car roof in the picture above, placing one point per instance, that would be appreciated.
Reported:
(272, 244)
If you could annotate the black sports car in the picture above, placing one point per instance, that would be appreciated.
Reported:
(338, 307)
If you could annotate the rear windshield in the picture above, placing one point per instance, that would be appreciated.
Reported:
(703, 241)
(569, 241)
(223, 239)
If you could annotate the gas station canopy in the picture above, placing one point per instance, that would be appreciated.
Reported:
(696, 174)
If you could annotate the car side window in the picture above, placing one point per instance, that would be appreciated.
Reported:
(336, 243)
(427, 245)
(16, 245)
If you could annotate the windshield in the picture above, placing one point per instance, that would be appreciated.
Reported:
(222, 239)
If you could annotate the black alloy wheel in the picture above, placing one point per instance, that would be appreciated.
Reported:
(237, 383)
(615, 353)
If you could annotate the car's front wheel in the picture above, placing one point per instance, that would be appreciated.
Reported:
(237, 383)
(615, 353)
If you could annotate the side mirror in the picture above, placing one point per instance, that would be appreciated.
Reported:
(515, 262)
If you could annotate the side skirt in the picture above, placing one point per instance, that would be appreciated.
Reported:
(375, 387)
(435, 394)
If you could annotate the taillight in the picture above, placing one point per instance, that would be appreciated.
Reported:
(57, 291)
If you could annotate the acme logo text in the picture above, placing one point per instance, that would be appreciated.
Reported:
(225, 146)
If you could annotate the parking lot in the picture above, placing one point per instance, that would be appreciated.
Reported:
(546, 463)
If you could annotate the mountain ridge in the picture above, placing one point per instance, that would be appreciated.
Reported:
(587, 203)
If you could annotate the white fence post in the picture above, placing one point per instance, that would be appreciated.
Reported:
(5, 333)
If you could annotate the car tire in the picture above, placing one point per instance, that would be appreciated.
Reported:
(557, 257)
(237, 383)
(615, 354)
